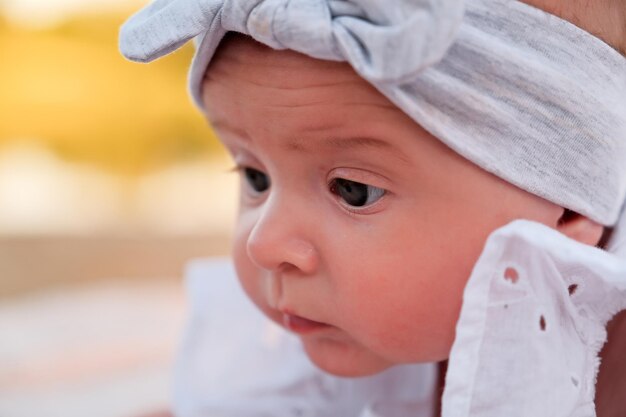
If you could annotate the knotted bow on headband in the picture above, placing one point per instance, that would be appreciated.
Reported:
(378, 40)
(523, 94)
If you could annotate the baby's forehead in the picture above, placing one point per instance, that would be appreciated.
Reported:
(247, 77)
(288, 100)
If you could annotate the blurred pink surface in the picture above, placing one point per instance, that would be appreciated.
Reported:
(102, 350)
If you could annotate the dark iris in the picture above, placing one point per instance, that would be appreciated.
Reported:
(354, 193)
(257, 180)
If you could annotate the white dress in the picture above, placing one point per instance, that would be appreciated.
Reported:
(528, 337)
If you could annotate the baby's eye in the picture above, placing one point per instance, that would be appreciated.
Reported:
(258, 180)
(355, 193)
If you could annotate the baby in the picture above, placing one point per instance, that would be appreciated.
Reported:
(359, 221)
(354, 228)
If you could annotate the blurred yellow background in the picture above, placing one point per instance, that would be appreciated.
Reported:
(110, 181)
(67, 87)
(93, 145)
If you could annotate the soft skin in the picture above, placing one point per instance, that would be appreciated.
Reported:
(388, 277)
(606, 19)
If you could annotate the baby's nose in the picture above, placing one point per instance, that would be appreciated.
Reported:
(280, 239)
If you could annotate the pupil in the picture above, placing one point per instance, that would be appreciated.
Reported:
(354, 193)
(258, 180)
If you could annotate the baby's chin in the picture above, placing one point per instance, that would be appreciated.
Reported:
(343, 358)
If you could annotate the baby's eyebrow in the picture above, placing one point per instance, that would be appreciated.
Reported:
(220, 125)
(333, 143)
(307, 146)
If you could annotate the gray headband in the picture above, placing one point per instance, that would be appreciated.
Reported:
(521, 93)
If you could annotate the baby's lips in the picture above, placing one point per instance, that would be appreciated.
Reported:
(301, 325)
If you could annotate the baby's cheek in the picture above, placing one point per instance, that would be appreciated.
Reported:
(415, 333)
(247, 272)
(244, 268)
(252, 282)
(403, 317)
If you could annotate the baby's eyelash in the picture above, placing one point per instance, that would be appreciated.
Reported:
(356, 196)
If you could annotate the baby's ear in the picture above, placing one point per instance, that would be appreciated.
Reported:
(580, 228)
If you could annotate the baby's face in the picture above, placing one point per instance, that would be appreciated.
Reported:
(351, 215)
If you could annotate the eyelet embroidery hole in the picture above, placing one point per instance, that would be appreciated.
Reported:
(542, 323)
(511, 274)
(572, 289)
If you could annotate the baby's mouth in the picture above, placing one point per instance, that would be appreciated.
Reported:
(301, 325)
